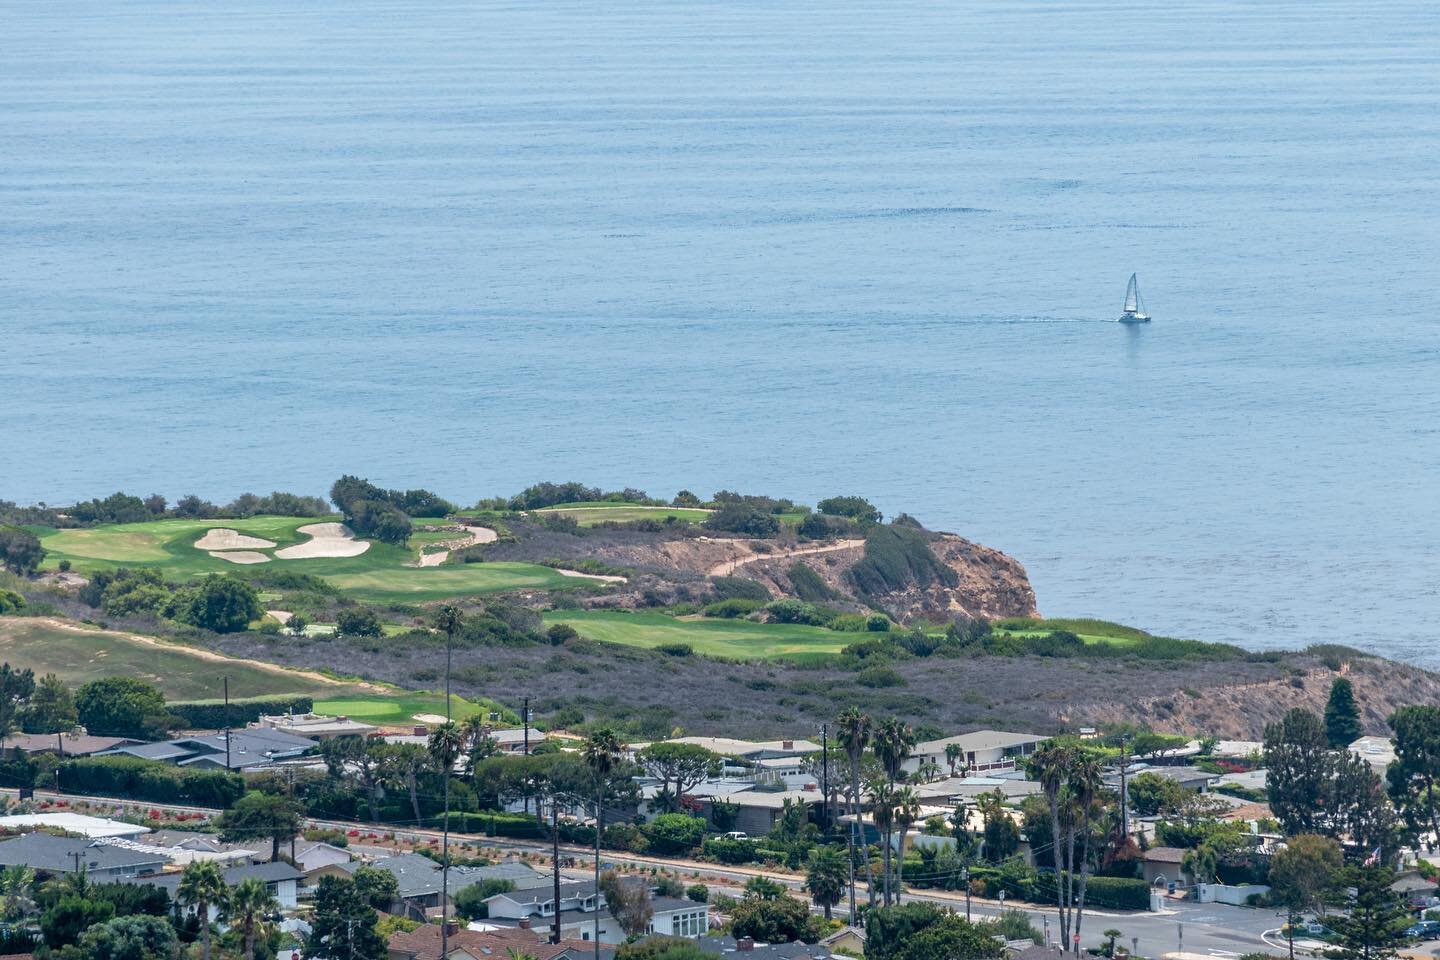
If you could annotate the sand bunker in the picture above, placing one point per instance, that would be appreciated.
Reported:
(241, 556)
(603, 578)
(223, 538)
(326, 540)
(282, 615)
(474, 536)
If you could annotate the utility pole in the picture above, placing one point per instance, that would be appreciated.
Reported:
(227, 723)
(525, 731)
(1124, 788)
(825, 774)
(965, 879)
(850, 862)
(447, 771)
(555, 865)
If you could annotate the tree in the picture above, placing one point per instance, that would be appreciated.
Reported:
(357, 622)
(224, 604)
(1153, 795)
(825, 878)
(130, 938)
(16, 687)
(405, 763)
(628, 902)
(343, 924)
(1375, 919)
(922, 931)
(1304, 875)
(203, 886)
(1110, 934)
(249, 904)
(682, 765)
(856, 508)
(894, 740)
(470, 901)
(744, 519)
(784, 919)
(380, 888)
(953, 753)
(261, 816)
(907, 811)
(364, 761)
(122, 707)
(1342, 716)
(1414, 777)
(51, 708)
(71, 916)
(854, 735)
(446, 743)
(17, 888)
(1297, 756)
(1001, 835)
(20, 550)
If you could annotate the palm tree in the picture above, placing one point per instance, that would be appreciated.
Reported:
(953, 753)
(475, 729)
(882, 814)
(448, 618)
(602, 753)
(202, 886)
(406, 762)
(1085, 784)
(854, 736)
(17, 882)
(907, 811)
(1050, 766)
(248, 907)
(445, 746)
(825, 878)
(894, 739)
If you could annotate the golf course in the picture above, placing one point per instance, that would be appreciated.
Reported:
(735, 639)
(381, 573)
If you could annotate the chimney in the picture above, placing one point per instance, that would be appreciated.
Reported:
(524, 923)
(451, 928)
(745, 944)
(786, 745)
(420, 730)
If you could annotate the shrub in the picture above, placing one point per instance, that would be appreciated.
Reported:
(878, 677)
(878, 623)
(137, 779)
(791, 610)
(808, 584)
(856, 508)
(223, 604)
(730, 588)
(10, 601)
(358, 622)
(819, 526)
(209, 715)
(729, 850)
(675, 649)
(732, 608)
(470, 901)
(897, 558)
(849, 623)
(560, 634)
(698, 892)
(675, 833)
(744, 520)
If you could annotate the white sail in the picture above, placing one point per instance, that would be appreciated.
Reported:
(1132, 296)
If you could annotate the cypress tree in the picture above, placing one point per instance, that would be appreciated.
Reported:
(1342, 717)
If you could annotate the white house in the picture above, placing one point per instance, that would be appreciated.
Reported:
(582, 907)
(315, 855)
(984, 751)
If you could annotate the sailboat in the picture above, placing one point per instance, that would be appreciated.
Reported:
(1134, 307)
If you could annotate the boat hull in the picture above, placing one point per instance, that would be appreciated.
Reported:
(1135, 318)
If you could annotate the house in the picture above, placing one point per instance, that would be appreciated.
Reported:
(756, 811)
(312, 856)
(463, 944)
(63, 744)
(957, 790)
(753, 750)
(91, 828)
(315, 726)
(582, 911)
(984, 751)
(184, 846)
(51, 856)
(245, 749)
(792, 772)
(849, 941)
(1163, 866)
(746, 949)
(280, 879)
(419, 882)
(1192, 779)
(506, 741)
(1376, 751)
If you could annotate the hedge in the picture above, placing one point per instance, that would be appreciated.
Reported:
(1116, 893)
(492, 824)
(211, 715)
(150, 780)
(729, 850)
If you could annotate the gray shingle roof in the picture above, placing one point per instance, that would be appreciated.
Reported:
(47, 852)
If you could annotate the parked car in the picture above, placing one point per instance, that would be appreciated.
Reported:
(1424, 930)
(737, 835)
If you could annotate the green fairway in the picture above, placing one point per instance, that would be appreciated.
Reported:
(1089, 630)
(79, 655)
(737, 639)
(383, 572)
(398, 709)
(589, 514)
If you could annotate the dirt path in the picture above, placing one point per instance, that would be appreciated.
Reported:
(730, 566)
(477, 535)
(602, 577)
(205, 654)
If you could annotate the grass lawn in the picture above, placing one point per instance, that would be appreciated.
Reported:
(78, 655)
(381, 573)
(1089, 630)
(589, 514)
(737, 639)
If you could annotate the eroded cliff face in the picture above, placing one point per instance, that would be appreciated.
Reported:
(1240, 711)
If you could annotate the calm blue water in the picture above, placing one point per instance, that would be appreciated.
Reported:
(797, 247)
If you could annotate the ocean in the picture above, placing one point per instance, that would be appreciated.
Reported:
(796, 248)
